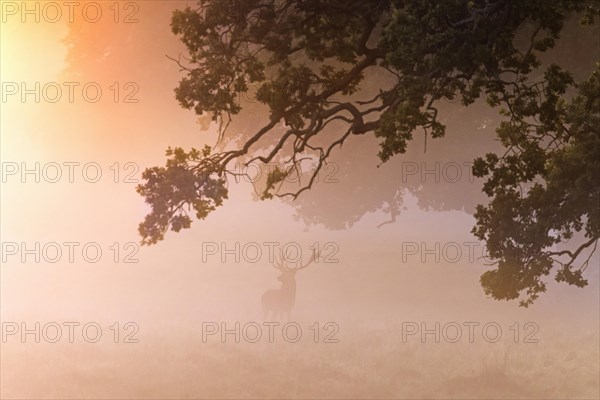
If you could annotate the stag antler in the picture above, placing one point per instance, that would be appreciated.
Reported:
(281, 263)
(314, 256)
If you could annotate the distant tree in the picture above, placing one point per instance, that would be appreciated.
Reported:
(306, 60)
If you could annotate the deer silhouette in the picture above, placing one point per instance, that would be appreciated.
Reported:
(281, 301)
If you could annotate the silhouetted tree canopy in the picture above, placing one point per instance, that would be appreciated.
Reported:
(306, 62)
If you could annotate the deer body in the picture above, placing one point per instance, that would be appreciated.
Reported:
(277, 302)
(280, 301)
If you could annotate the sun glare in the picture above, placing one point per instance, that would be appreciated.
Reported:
(29, 53)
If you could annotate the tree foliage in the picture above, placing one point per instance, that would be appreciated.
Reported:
(306, 61)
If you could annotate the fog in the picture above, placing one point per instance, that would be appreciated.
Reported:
(397, 255)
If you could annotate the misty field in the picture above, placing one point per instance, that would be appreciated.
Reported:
(366, 363)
